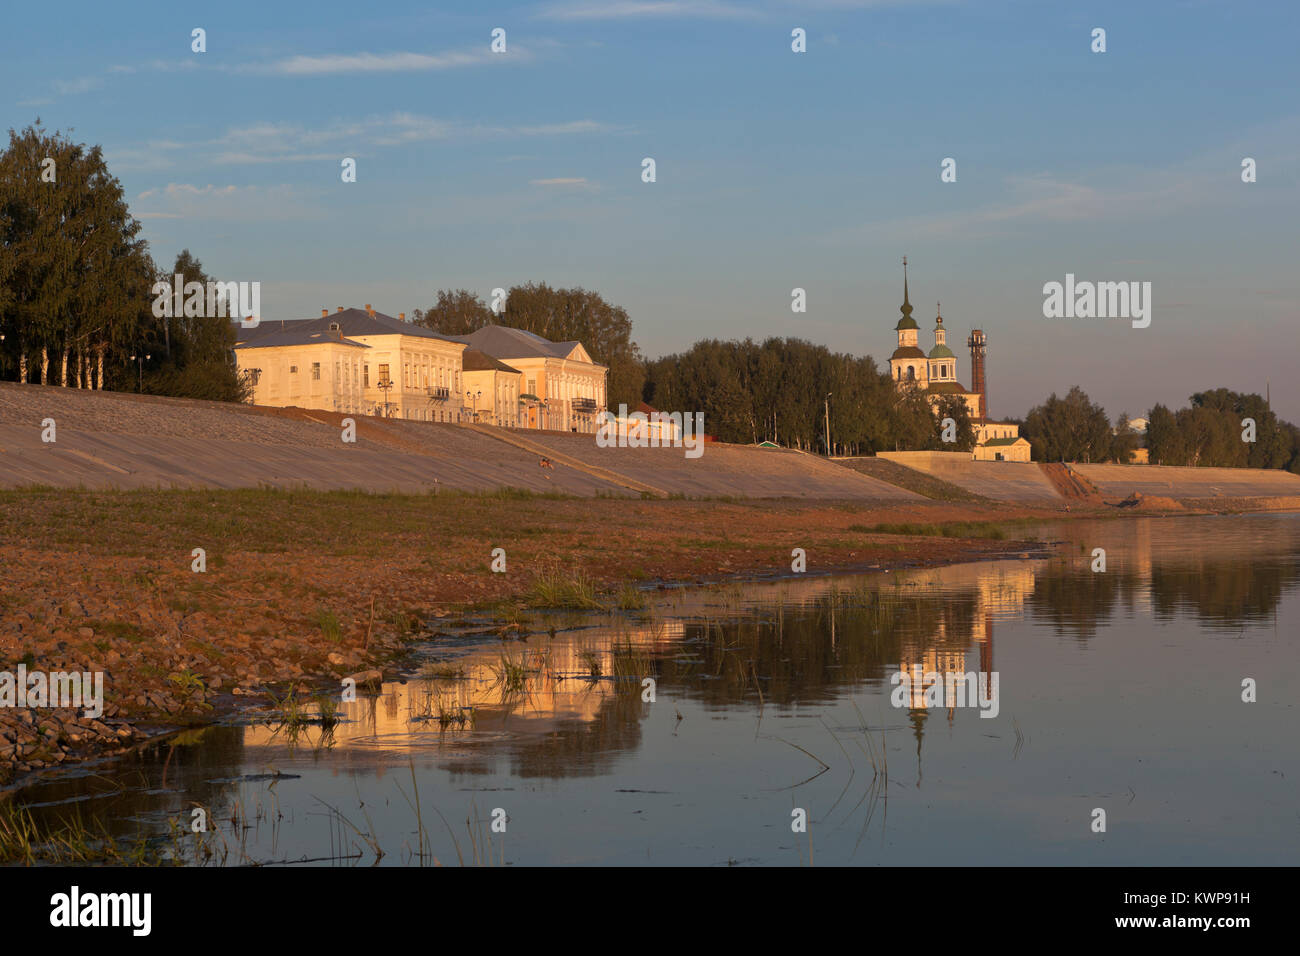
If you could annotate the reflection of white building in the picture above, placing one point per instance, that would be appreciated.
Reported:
(555, 691)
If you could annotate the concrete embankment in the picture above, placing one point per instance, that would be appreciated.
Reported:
(1117, 481)
(998, 480)
(1146, 486)
(112, 440)
(107, 440)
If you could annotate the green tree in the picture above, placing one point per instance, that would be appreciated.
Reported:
(1124, 442)
(954, 407)
(74, 273)
(194, 357)
(1068, 429)
(604, 329)
(457, 312)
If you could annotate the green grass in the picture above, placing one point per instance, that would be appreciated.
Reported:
(118, 630)
(511, 674)
(27, 841)
(328, 623)
(948, 529)
(554, 589)
(631, 598)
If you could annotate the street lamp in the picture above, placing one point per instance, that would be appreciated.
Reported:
(385, 386)
(139, 361)
(474, 396)
(828, 423)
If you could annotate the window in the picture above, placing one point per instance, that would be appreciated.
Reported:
(315, 371)
(532, 386)
(911, 374)
(366, 376)
(293, 370)
(383, 375)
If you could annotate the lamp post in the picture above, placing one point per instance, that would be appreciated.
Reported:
(474, 396)
(139, 361)
(828, 423)
(385, 386)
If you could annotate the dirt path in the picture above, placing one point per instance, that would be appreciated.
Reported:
(1070, 484)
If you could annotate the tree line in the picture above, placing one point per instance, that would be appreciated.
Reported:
(785, 390)
(75, 303)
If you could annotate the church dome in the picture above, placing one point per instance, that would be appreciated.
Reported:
(941, 352)
(906, 322)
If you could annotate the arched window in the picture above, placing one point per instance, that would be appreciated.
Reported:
(911, 374)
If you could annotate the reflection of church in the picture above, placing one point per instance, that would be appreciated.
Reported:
(936, 375)
(999, 589)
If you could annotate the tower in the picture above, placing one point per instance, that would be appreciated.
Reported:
(942, 363)
(908, 364)
(978, 346)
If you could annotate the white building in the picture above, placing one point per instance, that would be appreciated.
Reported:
(563, 389)
(355, 361)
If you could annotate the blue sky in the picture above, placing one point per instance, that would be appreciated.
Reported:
(774, 169)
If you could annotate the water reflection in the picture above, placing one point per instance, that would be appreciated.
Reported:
(752, 684)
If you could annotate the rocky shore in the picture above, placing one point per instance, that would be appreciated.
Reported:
(301, 589)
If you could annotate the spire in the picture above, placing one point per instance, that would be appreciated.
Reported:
(907, 306)
(938, 314)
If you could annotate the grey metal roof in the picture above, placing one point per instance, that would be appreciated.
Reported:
(299, 337)
(351, 322)
(472, 360)
(502, 342)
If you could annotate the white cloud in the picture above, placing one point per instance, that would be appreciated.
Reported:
(158, 66)
(384, 62)
(562, 129)
(72, 87)
(238, 203)
(641, 9)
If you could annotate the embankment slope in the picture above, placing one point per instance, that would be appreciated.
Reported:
(110, 440)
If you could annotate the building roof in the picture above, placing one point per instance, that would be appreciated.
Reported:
(907, 351)
(906, 322)
(275, 339)
(950, 388)
(503, 342)
(1001, 442)
(351, 322)
(941, 351)
(472, 360)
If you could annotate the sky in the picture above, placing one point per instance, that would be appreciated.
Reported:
(774, 170)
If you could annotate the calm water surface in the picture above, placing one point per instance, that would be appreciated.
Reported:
(1119, 690)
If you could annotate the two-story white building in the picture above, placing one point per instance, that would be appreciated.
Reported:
(563, 389)
(355, 360)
